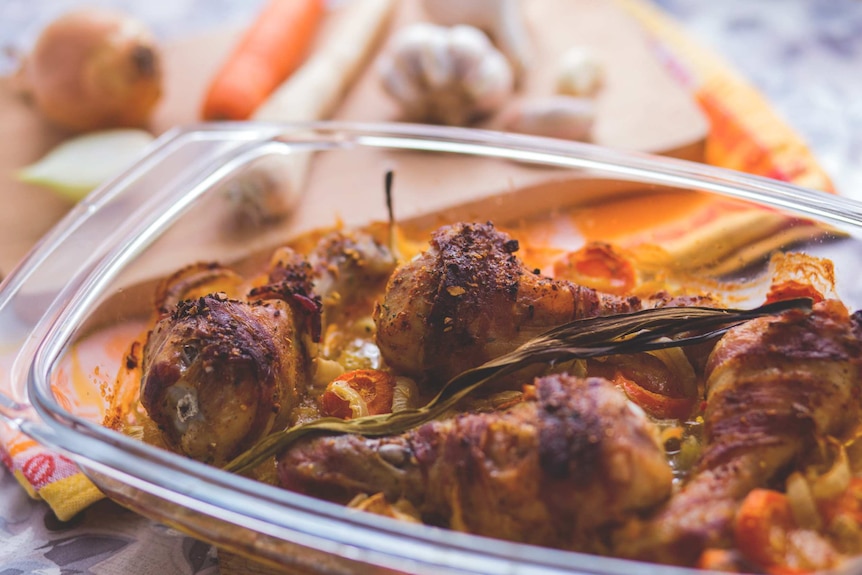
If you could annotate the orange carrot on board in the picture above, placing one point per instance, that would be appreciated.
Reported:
(272, 47)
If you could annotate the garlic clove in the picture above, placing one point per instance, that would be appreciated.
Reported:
(468, 44)
(436, 63)
(490, 84)
(579, 72)
(564, 117)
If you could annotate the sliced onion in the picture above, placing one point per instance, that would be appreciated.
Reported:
(325, 371)
(802, 502)
(834, 481)
(82, 163)
(354, 399)
(677, 362)
(405, 394)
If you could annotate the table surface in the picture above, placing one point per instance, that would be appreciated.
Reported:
(804, 56)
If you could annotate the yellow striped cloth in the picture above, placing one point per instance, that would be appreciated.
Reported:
(746, 134)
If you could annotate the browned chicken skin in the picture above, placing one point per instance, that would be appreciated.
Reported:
(468, 299)
(348, 264)
(774, 385)
(219, 374)
(554, 470)
(575, 465)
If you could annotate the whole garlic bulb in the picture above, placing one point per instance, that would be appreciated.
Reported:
(502, 20)
(445, 75)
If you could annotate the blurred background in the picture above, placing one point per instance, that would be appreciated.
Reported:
(805, 56)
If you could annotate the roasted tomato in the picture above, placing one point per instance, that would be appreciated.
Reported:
(600, 266)
(358, 393)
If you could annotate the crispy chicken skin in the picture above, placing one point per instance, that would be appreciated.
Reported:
(348, 263)
(468, 299)
(774, 386)
(219, 374)
(555, 470)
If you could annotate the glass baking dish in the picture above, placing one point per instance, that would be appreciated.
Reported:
(199, 196)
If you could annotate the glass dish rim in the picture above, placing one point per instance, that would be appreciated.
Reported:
(55, 421)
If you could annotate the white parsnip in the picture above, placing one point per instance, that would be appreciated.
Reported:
(316, 89)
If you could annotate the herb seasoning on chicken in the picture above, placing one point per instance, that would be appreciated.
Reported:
(468, 298)
(558, 469)
(220, 374)
(741, 452)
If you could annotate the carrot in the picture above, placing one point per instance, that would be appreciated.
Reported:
(847, 504)
(763, 522)
(314, 92)
(273, 46)
(790, 289)
(719, 560)
(599, 266)
(316, 89)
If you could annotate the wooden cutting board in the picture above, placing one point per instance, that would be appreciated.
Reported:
(641, 108)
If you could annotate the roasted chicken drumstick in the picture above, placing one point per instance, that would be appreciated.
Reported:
(219, 374)
(468, 299)
(774, 386)
(556, 469)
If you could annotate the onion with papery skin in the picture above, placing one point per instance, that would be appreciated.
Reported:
(94, 69)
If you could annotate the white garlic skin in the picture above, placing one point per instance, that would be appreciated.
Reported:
(502, 20)
(579, 73)
(445, 75)
(564, 117)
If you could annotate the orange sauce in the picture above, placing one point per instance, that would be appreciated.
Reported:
(616, 219)
(630, 221)
(84, 384)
